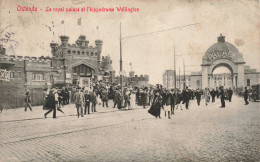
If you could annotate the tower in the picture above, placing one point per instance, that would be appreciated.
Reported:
(99, 44)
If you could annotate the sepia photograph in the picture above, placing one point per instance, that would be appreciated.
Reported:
(129, 80)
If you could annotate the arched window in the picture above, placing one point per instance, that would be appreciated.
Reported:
(78, 52)
(91, 54)
(83, 53)
(69, 52)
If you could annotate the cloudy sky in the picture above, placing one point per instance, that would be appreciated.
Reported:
(150, 54)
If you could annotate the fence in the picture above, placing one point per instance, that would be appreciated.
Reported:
(12, 96)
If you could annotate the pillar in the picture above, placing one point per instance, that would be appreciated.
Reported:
(205, 83)
(234, 81)
(240, 76)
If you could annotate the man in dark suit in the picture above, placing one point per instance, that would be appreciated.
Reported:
(213, 94)
(222, 97)
(173, 100)
(186, 97)
(104, 97)
(246, 96)
(198, 96)
(230, 93)
(50, 103)
(87, 102)
(27, 100)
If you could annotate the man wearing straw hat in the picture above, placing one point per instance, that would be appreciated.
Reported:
(79, 101)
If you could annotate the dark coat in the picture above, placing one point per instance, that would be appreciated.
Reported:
(168, 99)
(173, 98)
(87, 98)
(178, 98)
(246, 94)
(50, 102)
(222, 94)
(93, 97)
(198, 94)
(27, 99)
(104, 95)
(186, 96)
(155, 109)
(143, 98)
(213, 93)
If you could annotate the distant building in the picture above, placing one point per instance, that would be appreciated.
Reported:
(168, 79)
(135, 80)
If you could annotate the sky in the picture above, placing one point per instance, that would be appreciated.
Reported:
(238, 21)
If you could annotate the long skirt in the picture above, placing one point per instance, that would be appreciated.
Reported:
(155, 110)
(132, 101)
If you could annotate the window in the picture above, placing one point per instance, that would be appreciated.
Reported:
(74, 52)
(83, 53)
(91, 54)
(69, 51)
(11, 74)
(248, 82)
(88, 53)
(78, 52)
(38, 77)
(19, 74)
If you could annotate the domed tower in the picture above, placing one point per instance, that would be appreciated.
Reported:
(224, 54)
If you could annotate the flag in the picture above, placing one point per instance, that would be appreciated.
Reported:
(97, 27)
(130, 63)
(62, 22)
(79, 21)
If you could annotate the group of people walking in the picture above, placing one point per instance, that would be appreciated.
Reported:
(158, 98)
(169, 100)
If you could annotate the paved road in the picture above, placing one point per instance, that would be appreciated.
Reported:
(205, 133)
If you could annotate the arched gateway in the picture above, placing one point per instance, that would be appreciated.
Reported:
(224, 54)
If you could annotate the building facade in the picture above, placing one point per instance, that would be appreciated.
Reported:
(78, 64)
(134, 80)
(220, 54)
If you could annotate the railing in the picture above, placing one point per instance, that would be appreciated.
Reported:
(4, 75)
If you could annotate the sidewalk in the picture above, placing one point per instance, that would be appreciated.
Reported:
(37, 112)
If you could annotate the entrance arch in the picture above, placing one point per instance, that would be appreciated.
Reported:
(222, 75)
(223, 54)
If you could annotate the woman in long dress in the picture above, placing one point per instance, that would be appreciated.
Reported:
(132, 100)
(206, 96)
(155, 109)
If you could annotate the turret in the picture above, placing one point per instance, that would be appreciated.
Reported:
(99, 44)
(64, 40)
(53, 48)
(131, 74)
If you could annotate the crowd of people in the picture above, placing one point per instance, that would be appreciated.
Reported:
(157, 98)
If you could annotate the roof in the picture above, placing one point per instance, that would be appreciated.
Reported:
(222, 46)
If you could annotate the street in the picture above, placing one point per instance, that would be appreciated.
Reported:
(202, 133)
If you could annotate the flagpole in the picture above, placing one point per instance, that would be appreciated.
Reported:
(121, 67)
(174, 69)
(64, 28)
(179, 77)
